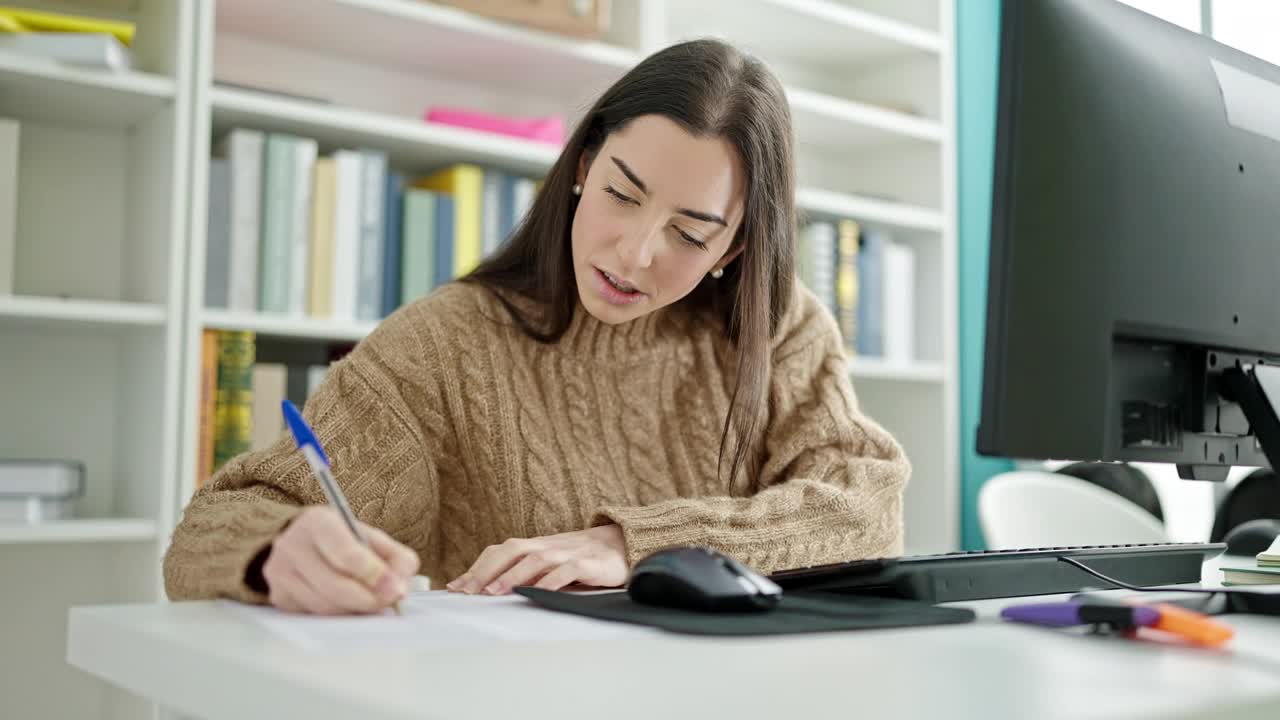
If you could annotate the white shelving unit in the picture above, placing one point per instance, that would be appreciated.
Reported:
(101, 343)
(91, 339)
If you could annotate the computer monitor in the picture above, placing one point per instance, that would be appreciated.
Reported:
(1133, 307)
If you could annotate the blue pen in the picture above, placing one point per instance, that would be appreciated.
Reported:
(319, 463)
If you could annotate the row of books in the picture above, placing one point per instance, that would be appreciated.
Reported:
(240, 397)
(342, 237)
(868, 281)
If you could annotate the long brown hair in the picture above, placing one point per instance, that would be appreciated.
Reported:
(710, 89)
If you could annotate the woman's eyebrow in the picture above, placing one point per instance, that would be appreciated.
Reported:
(695, 214)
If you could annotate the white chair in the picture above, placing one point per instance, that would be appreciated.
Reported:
(1031, 509)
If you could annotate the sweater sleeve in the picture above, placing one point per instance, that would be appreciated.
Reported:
(374, 416)
(829, 488)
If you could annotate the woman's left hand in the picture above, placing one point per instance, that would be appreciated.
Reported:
(596, 556)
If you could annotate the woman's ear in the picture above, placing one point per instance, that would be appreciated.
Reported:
(728, 258)
(584, 162)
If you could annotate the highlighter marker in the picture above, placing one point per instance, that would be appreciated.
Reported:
(1065, 614)
(1196, 627)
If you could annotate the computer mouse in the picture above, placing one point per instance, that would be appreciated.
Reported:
(1252, 537)
(697, 578)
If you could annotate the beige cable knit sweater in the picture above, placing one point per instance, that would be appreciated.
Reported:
(451, 430)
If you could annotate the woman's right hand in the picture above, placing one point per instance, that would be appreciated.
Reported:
(317, 566)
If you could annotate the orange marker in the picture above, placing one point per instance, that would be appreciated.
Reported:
(1193, 626)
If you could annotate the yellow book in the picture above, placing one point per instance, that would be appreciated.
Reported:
(465, 183)
(208, 404)
(35, 21)
(323, 207)
(847, 235)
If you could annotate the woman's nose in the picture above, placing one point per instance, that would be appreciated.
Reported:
(636, 249)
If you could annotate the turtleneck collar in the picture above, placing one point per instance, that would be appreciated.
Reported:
(591, 339)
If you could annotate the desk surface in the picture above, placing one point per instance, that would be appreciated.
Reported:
(206, 660)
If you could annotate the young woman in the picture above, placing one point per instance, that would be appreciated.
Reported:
(636, 370)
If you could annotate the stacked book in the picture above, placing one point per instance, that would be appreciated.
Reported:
(343, 237)
(868, 282)
(70, 39)
(1266, 572)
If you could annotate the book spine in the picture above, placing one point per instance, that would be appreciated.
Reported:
(417, 271)
(444, 238)
(373, 182)
(346, 236)
(466, 220)
(823, 254)
(208, 405)
(244, 150)
(233, 429)
(320, 300)
(847, 280)
(490, 212)
(526, 189)
(277, 225)
(268, 392)
(304, 163)
(217, 257)
(393, 242)
(507, 209)
(871, 293)
(899, 306)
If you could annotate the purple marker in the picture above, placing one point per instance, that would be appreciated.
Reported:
(1064, 614)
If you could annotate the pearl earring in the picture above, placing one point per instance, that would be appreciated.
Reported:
(577, 189)
(717, 273)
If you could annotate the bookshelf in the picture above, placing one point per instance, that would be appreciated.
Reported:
(91, 340)
(101, 341)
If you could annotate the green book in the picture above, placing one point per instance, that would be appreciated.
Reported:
(233, 414)
(1250, 575)
(418, 236)
(275, 266)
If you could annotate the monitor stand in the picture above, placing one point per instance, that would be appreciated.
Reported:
(1256, 389)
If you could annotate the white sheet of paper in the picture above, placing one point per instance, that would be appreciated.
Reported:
(1271, 554)
(437, 620)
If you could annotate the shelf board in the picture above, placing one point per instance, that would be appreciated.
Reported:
(79, 530)
(409, 141)
(819, 33)
(31, 310)
(843, 125)
(426, 37)
(820, 119)
(286, 326)
(817, 202)
(866, 368)
(41, 90)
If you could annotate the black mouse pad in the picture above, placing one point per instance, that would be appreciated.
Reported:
(798, 612)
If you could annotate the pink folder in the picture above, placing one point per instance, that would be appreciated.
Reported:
(549, 129)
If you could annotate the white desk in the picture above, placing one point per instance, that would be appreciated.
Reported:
(207, 660)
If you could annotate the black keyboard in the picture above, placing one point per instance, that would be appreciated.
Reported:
(1005, 573)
